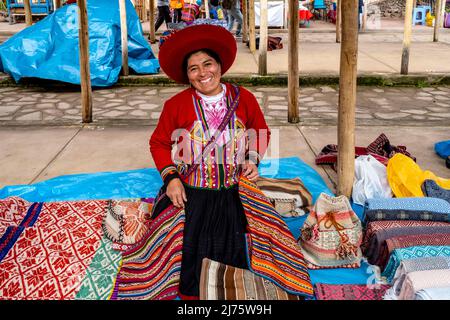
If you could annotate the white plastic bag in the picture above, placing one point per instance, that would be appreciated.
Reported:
(370, 180)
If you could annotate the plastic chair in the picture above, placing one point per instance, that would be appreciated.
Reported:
(426, 8)
(419, 16)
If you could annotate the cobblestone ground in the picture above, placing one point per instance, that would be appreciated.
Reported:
(317, 105)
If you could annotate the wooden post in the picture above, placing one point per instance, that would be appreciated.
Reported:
(262, 61)
(207, 9)
(57, 4)
(347, 98)
(438, 20)
(407, 36)
(244, 21)
(28, 16)
(85, 74)
(251, 25)
(124, 36)
(152, 21)
(338, 20)
(293, 85)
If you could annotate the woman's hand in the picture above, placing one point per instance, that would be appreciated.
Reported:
(176, 193)
(250, 170)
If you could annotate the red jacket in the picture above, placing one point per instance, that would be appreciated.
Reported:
(179, 113)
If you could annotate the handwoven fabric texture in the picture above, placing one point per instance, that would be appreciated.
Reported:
(222, 282)
(350, 292)
(419, 280)
(398, 255)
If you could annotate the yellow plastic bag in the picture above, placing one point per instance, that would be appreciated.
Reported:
(406, 178)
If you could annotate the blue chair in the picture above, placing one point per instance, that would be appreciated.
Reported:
(426, 8)
(419, 16)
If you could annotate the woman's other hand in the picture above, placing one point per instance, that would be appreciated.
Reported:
(250, 170)
(176, 193)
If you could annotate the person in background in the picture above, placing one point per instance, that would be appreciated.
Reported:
(176, 6)
(163, 13)
(360, 11)
(234, 13)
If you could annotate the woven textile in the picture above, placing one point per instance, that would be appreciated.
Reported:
(374, 226)
(350, 292)
(222, 282)
(425, 209)
(151, 268)
(332, 234)
(56, 244)
(12, 212)
(101, 274)
(412, 265)
(273, 251)
(378, 247)
(438, 239)
(442, 293)
(289, 196)
(126, 221)
(398, 255)
(431, 189)
(419, 280)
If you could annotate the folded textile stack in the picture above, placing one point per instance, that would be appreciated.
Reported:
(409, 240)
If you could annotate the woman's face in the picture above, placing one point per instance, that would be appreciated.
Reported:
(204, 73)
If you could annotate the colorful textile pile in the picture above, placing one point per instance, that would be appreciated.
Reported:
(350, 291)
(431, 189)
(222, 282)
(46, 250)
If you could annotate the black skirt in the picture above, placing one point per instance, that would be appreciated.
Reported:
(215, 228)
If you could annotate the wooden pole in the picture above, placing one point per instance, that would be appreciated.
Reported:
(251, 25)
(293, 85)
(57, 4)
(347, 98)
(245, 21)
(28, 16)
(152, 21)
(124, 36)
(407, 37)
(262, 61)
(85, 74)
(437, 21)
(338, 20)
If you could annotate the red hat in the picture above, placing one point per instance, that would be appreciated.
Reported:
(193, 38)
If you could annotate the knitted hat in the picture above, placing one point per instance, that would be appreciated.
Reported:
(193, 38)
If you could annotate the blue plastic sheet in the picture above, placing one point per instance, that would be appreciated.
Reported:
(146, 183)
(49, 48)
(443, 148)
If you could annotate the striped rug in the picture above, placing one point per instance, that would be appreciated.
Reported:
(151, 269)
(273, 251)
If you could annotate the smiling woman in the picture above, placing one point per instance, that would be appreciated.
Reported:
(210, 123)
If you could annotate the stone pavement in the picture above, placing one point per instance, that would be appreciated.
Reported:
(405, 106)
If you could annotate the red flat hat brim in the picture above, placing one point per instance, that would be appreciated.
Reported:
(177, 46)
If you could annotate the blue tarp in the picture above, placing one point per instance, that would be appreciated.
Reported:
(146, 183)
(443, 148)
(49, 48)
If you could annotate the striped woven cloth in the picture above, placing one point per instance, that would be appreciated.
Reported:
(273, 251)
(412, 265)
(222, 282)
(350, 291)
(398, 255)
(151, 269)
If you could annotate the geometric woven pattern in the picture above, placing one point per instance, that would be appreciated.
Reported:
(100, 278)
(412, 253)
(49, 259)
(350, 292)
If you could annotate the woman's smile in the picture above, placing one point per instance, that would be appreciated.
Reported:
(204, 73)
